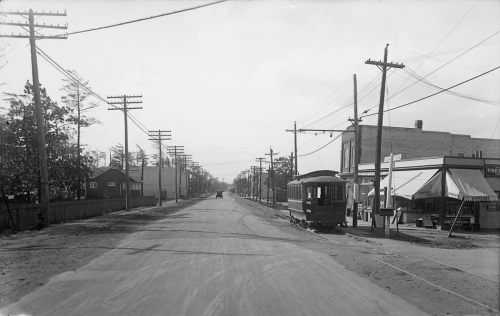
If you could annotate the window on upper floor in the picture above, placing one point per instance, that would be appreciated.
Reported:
(111, 184)
(353, 158)
(93, 185)
(346, 158)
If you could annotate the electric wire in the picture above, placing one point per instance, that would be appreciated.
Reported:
(321, 147)
(143, 19)
(431, 95)
(399, 91)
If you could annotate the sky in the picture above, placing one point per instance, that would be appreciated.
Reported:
(229, 79)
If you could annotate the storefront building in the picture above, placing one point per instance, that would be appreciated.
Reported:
(437, 187)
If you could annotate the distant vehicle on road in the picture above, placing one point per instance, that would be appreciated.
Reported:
(219, 194)
(318, 199)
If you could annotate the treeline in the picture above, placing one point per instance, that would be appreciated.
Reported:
(68, 166)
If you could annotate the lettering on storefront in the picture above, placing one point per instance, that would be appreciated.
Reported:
(461, 221)
(492, 171)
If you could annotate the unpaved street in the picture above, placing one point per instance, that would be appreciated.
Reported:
(231, 257)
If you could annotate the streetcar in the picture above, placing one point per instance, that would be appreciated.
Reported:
(318, 199)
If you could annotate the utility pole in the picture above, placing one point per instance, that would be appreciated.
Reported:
(42, 154)
(291, 166)
(174, 148)
(254, 184)
(268, 186)
(356, 156)
(294, 131)
(183, 161)
(159, 137)
(260, 159)
(382, 66)
(125, 109)
(193, 165)
(272, 171)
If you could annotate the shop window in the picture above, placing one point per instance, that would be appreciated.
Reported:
(494, 206)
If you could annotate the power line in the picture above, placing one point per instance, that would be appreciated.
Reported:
(143, 19)
(322, 147)
(444, 90)
(398, 92)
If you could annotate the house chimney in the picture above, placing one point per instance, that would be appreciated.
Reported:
(418, 124)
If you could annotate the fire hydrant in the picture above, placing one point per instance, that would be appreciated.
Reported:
(40, 219)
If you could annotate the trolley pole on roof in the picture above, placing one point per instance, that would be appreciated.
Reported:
(378, 157)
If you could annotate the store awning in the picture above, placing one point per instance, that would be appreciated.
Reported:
(406, 183)
(467, 184)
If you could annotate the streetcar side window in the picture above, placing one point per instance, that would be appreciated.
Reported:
(310, 193)
(337, 192)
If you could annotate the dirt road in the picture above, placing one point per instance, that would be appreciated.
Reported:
(231, 257)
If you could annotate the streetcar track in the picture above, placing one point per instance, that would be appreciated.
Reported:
(438, 286)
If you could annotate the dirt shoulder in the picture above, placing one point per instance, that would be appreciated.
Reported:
(30, 258)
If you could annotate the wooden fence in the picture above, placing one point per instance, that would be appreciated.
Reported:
(25, 215)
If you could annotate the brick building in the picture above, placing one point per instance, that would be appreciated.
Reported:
(413, 143)
(426, 155)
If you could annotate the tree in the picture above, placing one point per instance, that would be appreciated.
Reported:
(20, 163)
(282, 171)
(75, 100)
(117, 159)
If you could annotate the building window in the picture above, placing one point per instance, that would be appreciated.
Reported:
(107, 195)
(462, 154)
(93, 185)
(111, 184)
(346, 158)
(133, 186)
(353, 152)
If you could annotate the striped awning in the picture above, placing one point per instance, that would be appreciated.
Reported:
(406, 183)
(466, 184)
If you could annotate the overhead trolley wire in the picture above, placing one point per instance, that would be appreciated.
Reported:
(398, 92)
(431, 95)
(143, 19)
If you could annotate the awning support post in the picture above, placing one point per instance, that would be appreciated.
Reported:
(442, 212)
(458, 213)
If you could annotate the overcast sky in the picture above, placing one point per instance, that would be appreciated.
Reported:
(230, 78)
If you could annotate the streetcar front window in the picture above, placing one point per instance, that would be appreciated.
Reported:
(337, 192)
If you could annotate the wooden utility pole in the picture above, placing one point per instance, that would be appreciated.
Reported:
(378, 157)
(294, 131)
(42, 154)
(125, 109)
(175, 152)
(183, 164)
(356, 156)
(260, 159)
(291, 166)
(271, 153)
(268, 184)
(159, 137)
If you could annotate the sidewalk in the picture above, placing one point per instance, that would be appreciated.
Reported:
(434, 238)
